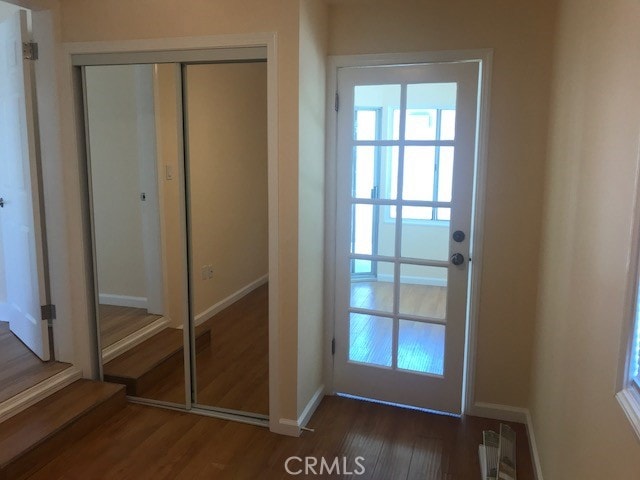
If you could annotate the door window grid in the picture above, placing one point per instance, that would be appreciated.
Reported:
(442, 177)
(397, 204)
(367, 126)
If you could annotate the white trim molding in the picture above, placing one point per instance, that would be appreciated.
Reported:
(122, 300)
(136, 338)
(33, 395)
(311, 407)
(629, 400)
(627, 388)
(230, 300)
(414, 280)
(505, 413)
(293, 428)
(533, 447)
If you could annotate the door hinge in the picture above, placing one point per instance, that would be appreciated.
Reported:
(333, 346)
(337, 104)
(48, 312)
(30, 51)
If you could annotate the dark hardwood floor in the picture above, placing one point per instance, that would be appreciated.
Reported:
(20, 369)
(150, 443)
(233, 370)
(116, 323)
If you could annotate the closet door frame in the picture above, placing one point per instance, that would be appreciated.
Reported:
(180, 51)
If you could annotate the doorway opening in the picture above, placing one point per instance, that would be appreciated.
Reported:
(27, 355)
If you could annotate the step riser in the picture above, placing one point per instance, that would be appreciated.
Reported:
(32, 460)
(136, 387)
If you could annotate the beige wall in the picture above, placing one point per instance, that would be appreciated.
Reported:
(313, 44)
(113, 134)
(580, 429)
(520, 34)
(226, 108)
(121, 20)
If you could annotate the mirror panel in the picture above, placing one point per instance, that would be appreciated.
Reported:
(226, 125)
(152, 298)
(141, 300)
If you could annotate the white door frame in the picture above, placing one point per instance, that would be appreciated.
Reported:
(150, 182)
(76, 197)
(484, 57)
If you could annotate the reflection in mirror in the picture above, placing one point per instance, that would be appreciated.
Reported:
(226, 121)
(140, 317)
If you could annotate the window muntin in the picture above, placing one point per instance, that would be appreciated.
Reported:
(428, 170)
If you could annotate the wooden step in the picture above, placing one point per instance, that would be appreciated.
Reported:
(35, 436)
(142, 367)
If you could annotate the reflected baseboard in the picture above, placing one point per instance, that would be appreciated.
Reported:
(136, 338)
(230, 300)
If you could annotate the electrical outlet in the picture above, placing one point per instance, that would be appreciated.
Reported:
(168, 172)
(210, 271)
(204, 272)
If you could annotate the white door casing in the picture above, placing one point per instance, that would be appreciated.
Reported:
(150, 206)
(387, 382)
(22, 273)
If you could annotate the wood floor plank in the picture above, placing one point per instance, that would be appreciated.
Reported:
(21, 369)
(33, 437)
(233, 370)
(150, 443)
(118, 322)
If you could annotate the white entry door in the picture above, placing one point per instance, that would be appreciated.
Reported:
(22, 286)
(406, 154)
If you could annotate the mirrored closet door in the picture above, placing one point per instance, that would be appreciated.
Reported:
(140, 300)
(226, 138)
(177, 175)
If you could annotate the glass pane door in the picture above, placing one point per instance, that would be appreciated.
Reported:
(408, 157)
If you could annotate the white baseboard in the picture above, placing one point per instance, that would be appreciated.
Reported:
(122, 300)
(507, 413)
(33, 395)
(293, 428)
(136, 338)
(495, 411)
(286, 426)
(407, 279)
(535, 456)
(311, 407)
(230, 300)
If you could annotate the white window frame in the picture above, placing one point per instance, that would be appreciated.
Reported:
(434, 220)
(628, 386)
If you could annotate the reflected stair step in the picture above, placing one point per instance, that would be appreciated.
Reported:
(34, 437)
(146, 364)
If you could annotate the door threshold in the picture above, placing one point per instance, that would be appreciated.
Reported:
(399, 405)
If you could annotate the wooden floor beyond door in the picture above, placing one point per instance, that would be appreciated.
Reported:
(118, 322)
(20, 368)
(395, 444)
